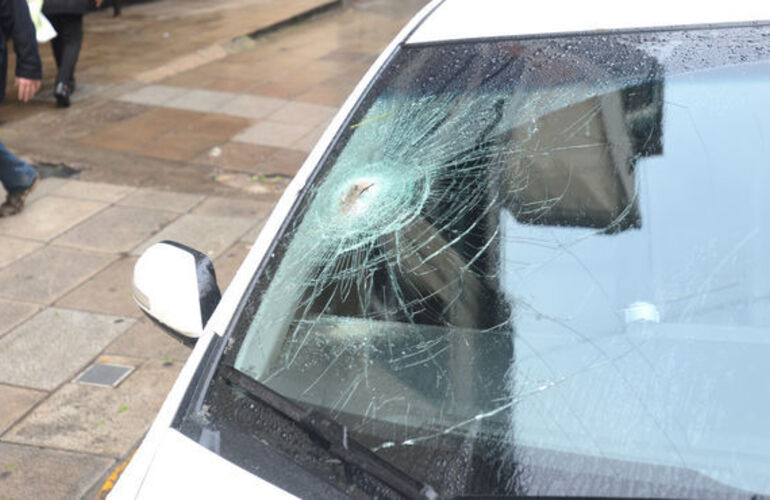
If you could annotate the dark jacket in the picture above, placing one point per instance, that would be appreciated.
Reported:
(65, 6)
(17, 26)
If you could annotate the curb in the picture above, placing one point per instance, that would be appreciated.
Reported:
(296, 19)
(219, 50)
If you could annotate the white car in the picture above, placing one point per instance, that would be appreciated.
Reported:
(529, 257)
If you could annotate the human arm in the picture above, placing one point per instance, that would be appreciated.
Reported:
(27, 88)
(17, 25)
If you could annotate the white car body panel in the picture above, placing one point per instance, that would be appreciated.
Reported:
(133, 476)
(166, 459)
(466, 19)
(184, 469)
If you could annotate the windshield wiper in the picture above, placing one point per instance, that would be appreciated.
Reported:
(333, 436)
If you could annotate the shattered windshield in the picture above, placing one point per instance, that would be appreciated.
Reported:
(540, 267)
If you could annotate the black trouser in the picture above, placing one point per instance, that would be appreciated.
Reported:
(66, 45)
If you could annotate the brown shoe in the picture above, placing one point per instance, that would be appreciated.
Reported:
(14, 203)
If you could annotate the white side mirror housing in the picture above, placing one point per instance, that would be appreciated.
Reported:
(176, 286)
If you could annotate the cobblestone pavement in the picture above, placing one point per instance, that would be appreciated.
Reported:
(182, 128)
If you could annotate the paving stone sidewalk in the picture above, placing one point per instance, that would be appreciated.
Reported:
(65, 302)
(225, 116)
(192, 142)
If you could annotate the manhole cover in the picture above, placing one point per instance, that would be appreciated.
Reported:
(104, 374)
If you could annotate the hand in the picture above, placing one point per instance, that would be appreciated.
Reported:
(27, 88)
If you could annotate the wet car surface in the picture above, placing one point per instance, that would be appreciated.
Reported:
(522, 266)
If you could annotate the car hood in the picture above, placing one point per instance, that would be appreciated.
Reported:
(182, 468)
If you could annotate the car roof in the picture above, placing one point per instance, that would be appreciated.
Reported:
(471, 19)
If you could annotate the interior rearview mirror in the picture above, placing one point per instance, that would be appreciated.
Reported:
(176, 286)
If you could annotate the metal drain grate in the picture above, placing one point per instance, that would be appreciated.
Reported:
(104, 374)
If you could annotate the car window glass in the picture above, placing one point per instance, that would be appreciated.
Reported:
(535, 258)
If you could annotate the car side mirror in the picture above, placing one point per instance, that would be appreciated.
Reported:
(176, 286)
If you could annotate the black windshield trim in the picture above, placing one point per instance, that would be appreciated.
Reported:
(332, 436)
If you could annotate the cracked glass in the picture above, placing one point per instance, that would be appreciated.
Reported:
(540, 267)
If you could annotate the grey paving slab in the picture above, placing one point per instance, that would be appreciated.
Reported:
(116, 229)
(308, 142)
(148, 341)
(251, 235)
(100, 420)
(227, 264)
(28, 472)
(256, 210)
(206, 233)
(98, 191)
(155, 199)
(48, 273)
(109, 292)
(46, 187)
(16, 401)
(276, 134)
(248, 183)
(207, 101)
(13, 313)
(12, 249)
(302, 112)
(48, 217)
(154, 95)
(252, 107)
(55, 345)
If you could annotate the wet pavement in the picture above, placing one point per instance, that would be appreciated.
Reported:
(194, 121)
(183, 127)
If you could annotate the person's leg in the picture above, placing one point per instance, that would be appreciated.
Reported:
(70, 32)
(72, 39)
(56, 42)
(18, 178)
